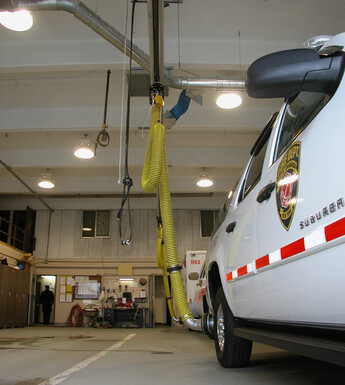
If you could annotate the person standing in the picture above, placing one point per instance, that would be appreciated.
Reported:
(46, 300)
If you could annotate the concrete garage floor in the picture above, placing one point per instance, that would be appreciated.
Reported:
(85, 356)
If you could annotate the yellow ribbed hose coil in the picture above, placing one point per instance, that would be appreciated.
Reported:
(155, 174)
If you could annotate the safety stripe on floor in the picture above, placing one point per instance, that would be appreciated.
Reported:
(316, 238)
(76, 368)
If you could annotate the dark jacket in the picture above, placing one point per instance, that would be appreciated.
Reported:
(47, 298)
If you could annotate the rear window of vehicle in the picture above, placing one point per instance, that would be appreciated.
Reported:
(299, 112)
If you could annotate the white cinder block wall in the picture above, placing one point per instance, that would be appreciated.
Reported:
(69, 254)
(65, 240)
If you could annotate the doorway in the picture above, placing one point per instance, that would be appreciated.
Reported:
(41, 282)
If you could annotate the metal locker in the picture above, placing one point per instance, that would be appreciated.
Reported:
(4, 276)
(11, 290)
(17, 290)
(23, 298)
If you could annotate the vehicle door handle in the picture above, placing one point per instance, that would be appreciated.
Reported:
(230, 227)
(266, 192)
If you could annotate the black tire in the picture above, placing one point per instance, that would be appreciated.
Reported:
(232, 351)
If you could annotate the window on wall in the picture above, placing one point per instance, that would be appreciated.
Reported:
(95, 224)
(207, 220)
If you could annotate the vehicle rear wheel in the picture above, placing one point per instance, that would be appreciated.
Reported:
(232, 351)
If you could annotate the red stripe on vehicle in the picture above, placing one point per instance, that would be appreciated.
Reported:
(335, 230)
(292, 249)
(262, 262)
(242, 271)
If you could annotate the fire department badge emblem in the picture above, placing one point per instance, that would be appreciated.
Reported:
(287, 184)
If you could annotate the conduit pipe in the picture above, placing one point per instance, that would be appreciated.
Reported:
(33, 192)
(109, 33)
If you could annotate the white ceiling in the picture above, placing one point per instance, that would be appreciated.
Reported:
(52, 85)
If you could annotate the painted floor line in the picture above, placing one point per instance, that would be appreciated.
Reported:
(62, 376)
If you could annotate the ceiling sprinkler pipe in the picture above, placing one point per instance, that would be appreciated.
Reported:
(109, 33)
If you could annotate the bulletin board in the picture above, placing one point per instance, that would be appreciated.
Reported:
(66, 285)
(87, 287)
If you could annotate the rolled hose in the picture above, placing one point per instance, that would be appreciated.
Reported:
(155, 174)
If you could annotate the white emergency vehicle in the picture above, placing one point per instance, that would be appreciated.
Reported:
(276, 260)
(193, 278)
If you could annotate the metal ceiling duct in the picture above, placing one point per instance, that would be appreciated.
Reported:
(109, 33)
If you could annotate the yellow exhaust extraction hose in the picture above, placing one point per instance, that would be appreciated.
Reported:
(161, 262)
(155, 174)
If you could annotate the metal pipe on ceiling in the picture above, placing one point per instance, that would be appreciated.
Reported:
(85, 15)
(33, 192)
(109, 33)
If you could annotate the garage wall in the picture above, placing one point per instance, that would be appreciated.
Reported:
(65, 240)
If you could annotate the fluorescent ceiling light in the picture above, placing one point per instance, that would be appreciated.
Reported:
(229, 100)
(84, 151)
(46, 181)
(16, 21)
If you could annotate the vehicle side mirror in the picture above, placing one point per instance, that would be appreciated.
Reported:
(286, 73)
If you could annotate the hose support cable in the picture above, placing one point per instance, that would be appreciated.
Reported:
(127, 180)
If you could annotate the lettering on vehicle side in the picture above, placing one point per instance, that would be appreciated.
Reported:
(322, 213)
(287, 185)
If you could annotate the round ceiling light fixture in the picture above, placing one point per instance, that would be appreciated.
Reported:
(46, 181)
(84, 150)
(204, 180)
(16, 21)
(229, 100)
